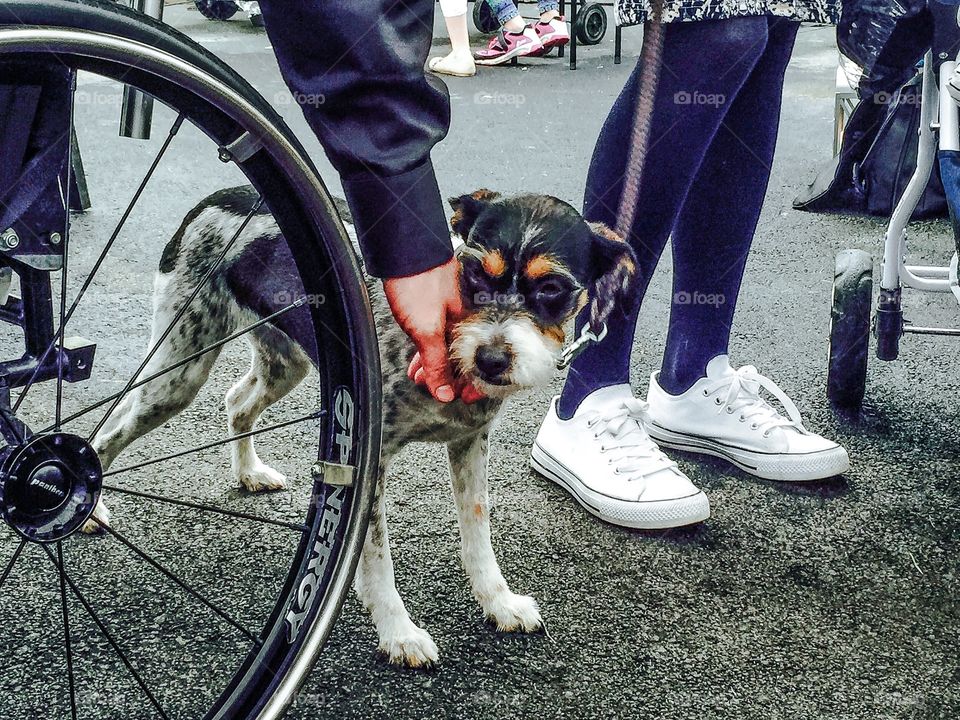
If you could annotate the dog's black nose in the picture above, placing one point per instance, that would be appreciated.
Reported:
(492, 361)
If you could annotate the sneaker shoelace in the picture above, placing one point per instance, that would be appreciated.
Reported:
(743, 395)
(620, 432)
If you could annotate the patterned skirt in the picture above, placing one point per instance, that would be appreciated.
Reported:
(634, 12)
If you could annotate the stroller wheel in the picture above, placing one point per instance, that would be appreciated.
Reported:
(217, 9)
(850, 328)
(591, 24)
(484, 18)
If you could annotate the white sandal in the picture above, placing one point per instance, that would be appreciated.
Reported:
(446, 65)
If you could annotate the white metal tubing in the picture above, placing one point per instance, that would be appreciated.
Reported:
(895, 243)
(929, 271)
(918, 282)
(949, 124)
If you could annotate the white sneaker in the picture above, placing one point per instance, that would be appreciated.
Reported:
(724, 415)
(606, 460)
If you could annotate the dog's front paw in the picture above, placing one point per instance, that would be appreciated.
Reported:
(409, 646)
(101, 513)
(260, 477)
(513, 613)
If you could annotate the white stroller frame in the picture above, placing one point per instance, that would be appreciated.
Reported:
(851, 326)
(939, 129)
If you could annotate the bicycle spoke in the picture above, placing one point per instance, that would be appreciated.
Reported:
(106, 634)
(66, 632)
(13, 561)
(175, 128)
(223, 441)
(179, 363)
(67, 187)
(180, 313)
(205, 508)
(183, 584)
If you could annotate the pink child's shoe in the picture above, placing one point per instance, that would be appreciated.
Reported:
(552, 34)
(506, 45)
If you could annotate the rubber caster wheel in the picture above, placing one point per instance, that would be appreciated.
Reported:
(850, 328)
(591, 24)
(217, 9)
(484, 18)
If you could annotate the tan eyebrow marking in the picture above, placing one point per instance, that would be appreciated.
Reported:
(493, 263)
(540, 265)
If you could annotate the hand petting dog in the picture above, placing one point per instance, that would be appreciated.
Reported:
(425, 305)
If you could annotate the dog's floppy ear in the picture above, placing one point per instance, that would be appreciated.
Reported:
(467, 208)
(615, 273)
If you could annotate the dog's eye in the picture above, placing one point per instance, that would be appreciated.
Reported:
(550, 290)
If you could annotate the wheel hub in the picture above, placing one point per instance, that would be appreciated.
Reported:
(49, 486)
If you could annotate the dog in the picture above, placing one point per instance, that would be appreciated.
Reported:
(528, 265)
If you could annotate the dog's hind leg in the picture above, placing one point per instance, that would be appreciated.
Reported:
(399, 638)
(468, 471)
(147, 407)
(278, 366)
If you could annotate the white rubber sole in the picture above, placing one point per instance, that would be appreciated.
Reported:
(507, 57)
(768, 466)
(653, 515)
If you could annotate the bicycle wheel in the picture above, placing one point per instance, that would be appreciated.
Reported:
(198, 601)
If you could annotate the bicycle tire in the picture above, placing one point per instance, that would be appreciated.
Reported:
(108, 40)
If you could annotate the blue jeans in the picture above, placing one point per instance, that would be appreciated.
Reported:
(506, 10)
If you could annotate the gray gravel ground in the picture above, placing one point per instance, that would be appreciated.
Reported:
(825, 600)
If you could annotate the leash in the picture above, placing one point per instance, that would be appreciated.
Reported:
(651, 63)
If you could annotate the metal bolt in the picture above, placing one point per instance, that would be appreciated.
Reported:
(55, 238)
(9, 239)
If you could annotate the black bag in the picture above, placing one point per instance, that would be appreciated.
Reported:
(878, 157)
(886, 38)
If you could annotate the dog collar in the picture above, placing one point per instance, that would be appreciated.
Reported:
(571, 351)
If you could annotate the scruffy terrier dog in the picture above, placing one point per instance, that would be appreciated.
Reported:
(528, 265)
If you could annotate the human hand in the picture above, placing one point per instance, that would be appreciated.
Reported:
(463, 388)
(424, 305)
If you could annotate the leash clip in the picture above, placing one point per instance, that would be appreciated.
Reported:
(571, 351)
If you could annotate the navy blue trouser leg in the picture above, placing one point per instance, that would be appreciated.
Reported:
(356, 70)
(715, 230)
(719, 89)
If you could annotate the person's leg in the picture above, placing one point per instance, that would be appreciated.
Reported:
(455, 17)
(718, 220)
(549, 9)
(508, 15)
(698, 402)
(701, 60)
(459, 61)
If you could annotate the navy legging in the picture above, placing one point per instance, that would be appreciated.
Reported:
(712, 139)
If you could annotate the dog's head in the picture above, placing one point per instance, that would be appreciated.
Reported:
(528, 265)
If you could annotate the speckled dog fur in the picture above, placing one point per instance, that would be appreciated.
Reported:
(528, 265)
